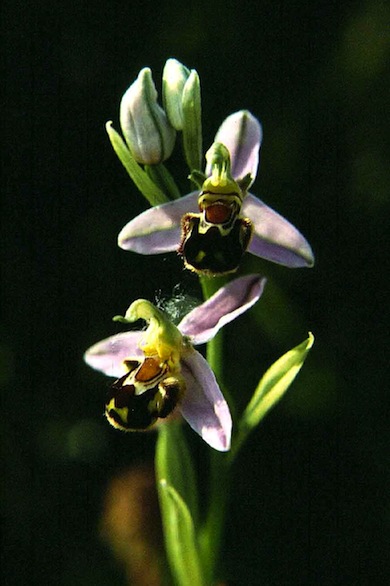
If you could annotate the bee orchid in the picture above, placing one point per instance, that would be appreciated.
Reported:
(158, 369)
(213, 227)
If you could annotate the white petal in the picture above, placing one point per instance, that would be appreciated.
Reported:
(203, 405)
(242, 134)
(158, 229)
(274, 238)
(108, 355)
(203, 322)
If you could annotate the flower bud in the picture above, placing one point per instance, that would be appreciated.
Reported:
(192, 121)
(147, 131)
(175, 75)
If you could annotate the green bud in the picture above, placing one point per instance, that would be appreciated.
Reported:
(174, 78)
(145, 126)
(192, 121)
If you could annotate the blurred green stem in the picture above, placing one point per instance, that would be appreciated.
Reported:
(212, 530)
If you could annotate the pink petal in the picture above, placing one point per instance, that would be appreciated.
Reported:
(108, 355)
(203, 322)
(158, 229)
(241, 133)
(274, 238)
(203, 405)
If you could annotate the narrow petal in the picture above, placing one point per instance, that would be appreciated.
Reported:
(203, 405)
(203, 322)
(108, 355)
(241, 133)
(158, 229)
(274, 238)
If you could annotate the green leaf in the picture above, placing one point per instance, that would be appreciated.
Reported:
(146, 186)
(160, 176)
(273, 385)
(174, 464)
(180, 539)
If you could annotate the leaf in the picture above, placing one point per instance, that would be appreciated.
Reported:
(180, 537)
(174, 464)
(274, 384)
(161, 177)
(144, 183)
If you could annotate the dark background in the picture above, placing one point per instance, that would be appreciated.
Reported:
(310, 499)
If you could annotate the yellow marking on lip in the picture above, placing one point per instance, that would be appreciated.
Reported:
(123, 412)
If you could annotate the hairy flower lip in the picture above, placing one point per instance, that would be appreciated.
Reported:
(203, 404)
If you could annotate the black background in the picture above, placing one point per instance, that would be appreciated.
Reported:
(310, 500)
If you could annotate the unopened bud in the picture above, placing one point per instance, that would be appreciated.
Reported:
(175, 75)
(145, 126)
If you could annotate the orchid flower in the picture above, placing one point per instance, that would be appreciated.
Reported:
(159, 229)
(169, 371)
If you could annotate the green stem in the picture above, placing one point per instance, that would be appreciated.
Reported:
(212, 530)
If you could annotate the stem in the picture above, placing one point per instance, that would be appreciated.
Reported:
(211, 534)
(212, 531)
